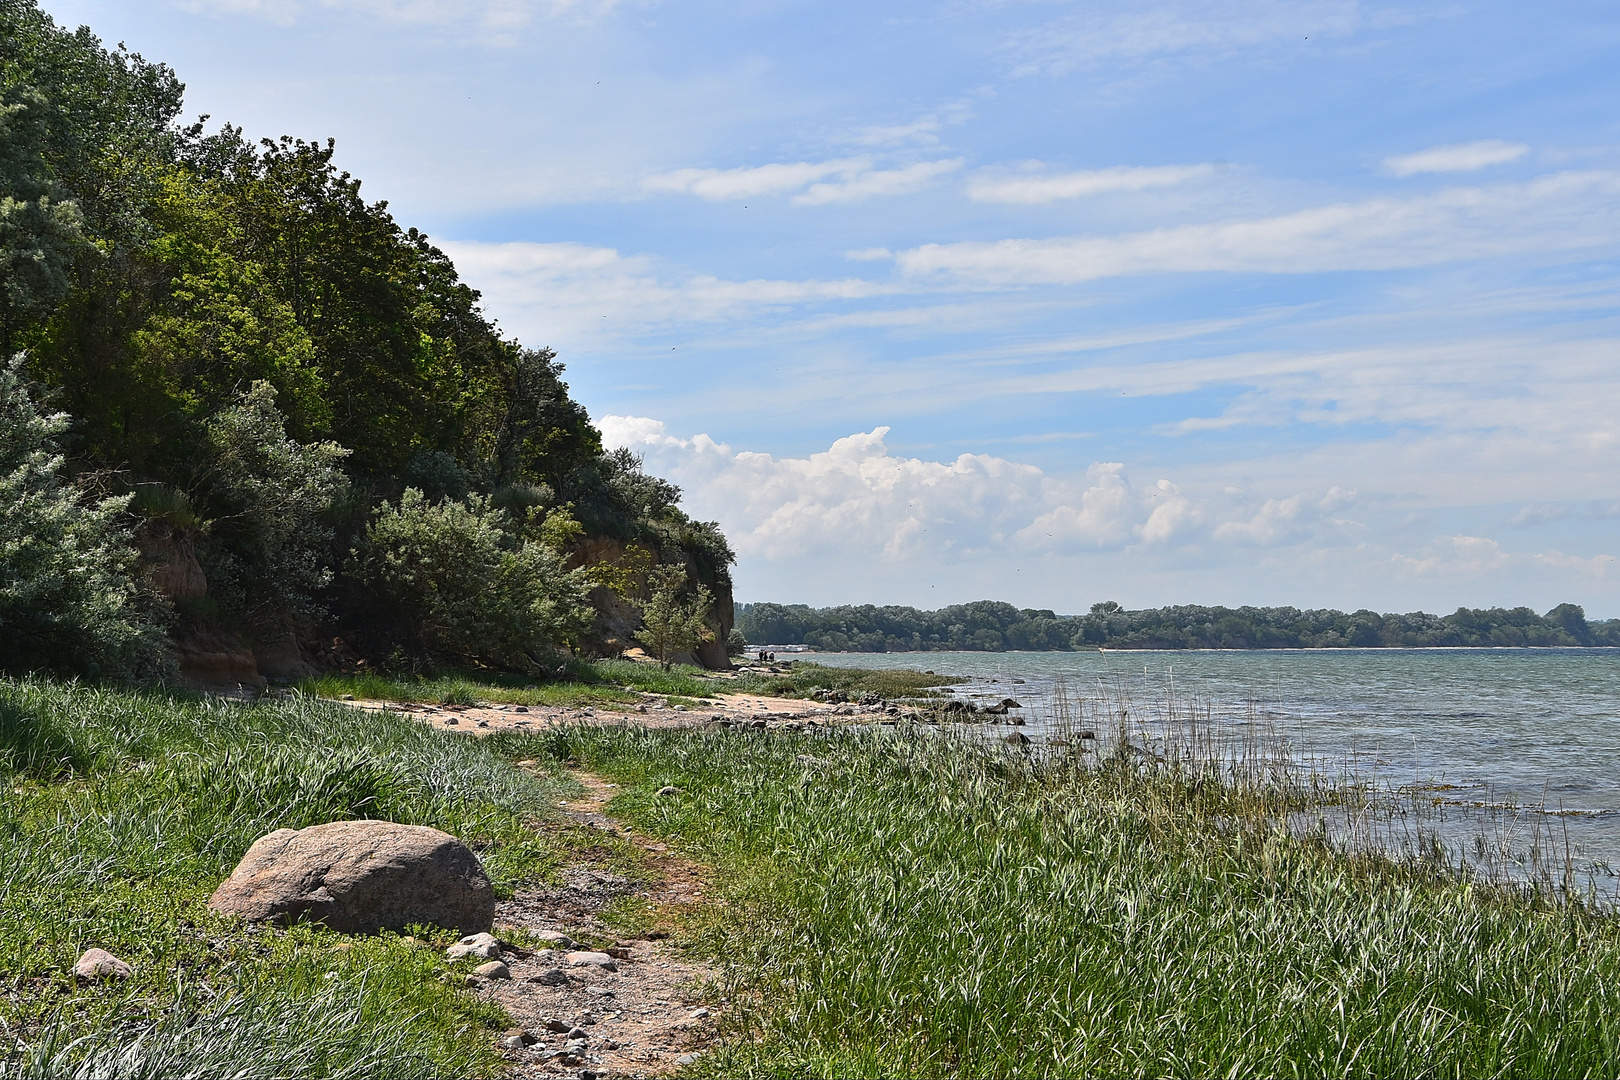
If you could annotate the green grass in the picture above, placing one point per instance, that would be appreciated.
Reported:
(606, 683)
(906, 904)
(124, 810)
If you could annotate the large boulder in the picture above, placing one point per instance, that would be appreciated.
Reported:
(359, 877)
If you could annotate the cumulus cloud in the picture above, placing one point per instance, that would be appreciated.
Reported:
(1458, 157)
(1563, 212)
(995, 186)
(859, 500)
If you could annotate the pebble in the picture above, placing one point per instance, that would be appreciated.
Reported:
(600, 991)
(593, 959)
(480, 946)
(1017, 738)
(520, 708)
(700, 1014)
(686, 1059)
(667, 790)
(493, 970)
(578, 1035)
(557, 938)
(554, 1025)
(551, 977)
(450, 721)
(101, 964)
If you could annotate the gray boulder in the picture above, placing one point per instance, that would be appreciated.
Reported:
(359, 877)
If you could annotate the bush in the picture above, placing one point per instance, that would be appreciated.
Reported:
(70, 601)
(454, 579)
(269, 496)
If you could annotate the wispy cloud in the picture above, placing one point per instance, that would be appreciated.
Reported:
(1456, 157)
(484, 15)
(1563, 212)
(754, 180)
(999, 186)
(866, 185)
(818, 183)
(1132, 32)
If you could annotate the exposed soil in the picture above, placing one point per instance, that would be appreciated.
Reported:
(642, 1019)
(734, 709)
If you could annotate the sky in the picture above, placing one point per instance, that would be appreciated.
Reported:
(1195, 301)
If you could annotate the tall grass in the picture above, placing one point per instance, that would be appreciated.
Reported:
(925, 904)
(124, 810)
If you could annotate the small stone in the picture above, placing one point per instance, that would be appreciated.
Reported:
(347, 697)
(557, 938)
(1017, 738)
(478, 946)
(513, 1042)
(451, 721)
(555, 1026)
(520, 708)
(483, 723)
(578, 1035)
(618, 952)
(493, 970)
(551, 977)
(101, 964)
(667, 790)
(523, 1036)
(593, 959)
(686, 1059)
(600, 991)
(700, 1014)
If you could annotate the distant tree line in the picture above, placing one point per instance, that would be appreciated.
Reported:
(991, 626)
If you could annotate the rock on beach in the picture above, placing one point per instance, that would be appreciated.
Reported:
(360, 877)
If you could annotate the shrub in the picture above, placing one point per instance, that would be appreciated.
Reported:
(453, 578)
(269, 496)
(69, 598)
(671, 625)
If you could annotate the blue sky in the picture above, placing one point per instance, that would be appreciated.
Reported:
(1214, 302)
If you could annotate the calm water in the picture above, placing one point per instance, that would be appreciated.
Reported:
(1519, 726)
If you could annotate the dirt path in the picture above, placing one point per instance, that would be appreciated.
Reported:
(642, 1014)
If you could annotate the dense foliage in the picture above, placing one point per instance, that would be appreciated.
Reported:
(262, 355)
(989, 626)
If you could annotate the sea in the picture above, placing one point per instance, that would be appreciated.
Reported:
(1509, 759)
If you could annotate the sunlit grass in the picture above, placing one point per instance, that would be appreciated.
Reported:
(124, 810)
(911, 904)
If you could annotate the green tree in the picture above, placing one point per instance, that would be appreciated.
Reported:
(70, 599)
(672, 624)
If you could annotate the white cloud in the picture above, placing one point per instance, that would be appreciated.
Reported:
(903, 181)
(753, 181)
(1571, 211)
(1458, 157)
(859, 500)
(555, 292)
(485, 15)
(1033, 188)
(841, 180)
(1205, 28)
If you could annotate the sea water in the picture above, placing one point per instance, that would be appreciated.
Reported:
(1536, 731)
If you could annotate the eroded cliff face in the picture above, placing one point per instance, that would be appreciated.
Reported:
(209, 657)
(617, 619)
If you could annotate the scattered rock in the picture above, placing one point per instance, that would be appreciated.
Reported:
(346, 697)
(520, 708)
(601, 991)
(758, 725)
(1009, 703)
(513, 1042)
(551, 977)
(450, 720)
(101, 964)
(557, 938)
(686, 1059)
(700, 1014)
(593, 959)
(524, 1038)
(555, 1026)
(578, 1034)
(618, 952)
(478, 946)
(493, 970)
(667, 790)
(360, 877)
(1017, 738)
(1088, 734)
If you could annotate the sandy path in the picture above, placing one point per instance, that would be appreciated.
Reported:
(646, 1018)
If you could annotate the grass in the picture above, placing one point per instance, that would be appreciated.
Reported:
(619, 682)
(911, 904)
(124, 810)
